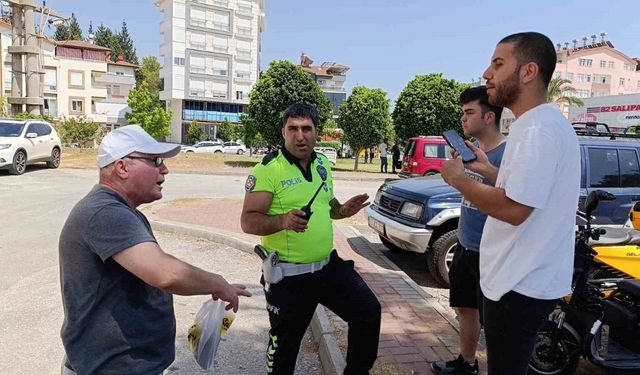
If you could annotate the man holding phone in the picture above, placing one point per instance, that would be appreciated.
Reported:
(526, 251)
(481, 121)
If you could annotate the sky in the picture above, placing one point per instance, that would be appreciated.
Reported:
(386, 43)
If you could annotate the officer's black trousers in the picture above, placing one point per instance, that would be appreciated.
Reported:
(291, 304)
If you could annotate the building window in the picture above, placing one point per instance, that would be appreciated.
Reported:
(621, 81)
(570, 77)
(585, 62)
(583, 93)
(611, 65)
(603, 64)
(115, 90)
(119, 73)
(76, 79)
(557, 75)
(178, 61)
(76, 106)
(639, 84)
(627, 67)
(584, 78)
(239, 95)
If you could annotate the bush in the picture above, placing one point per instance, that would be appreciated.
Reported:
(334, 145)
(29, 116)
(80, 131)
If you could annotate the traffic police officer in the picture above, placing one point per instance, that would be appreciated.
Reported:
(276, 190)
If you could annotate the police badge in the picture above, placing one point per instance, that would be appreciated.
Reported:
(322, 172)
(250, 183)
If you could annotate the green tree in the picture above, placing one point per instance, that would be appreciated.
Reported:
(126, 45)
(230, 132)
(62, 32)
(195, 132)
(280, 86)
(146, 112)
(90, 31)
(149, 73)
(78, 130)
(252, 137)
(428, 105)
(106, 38)
(364, 117)
(75, 31)
(560, 92)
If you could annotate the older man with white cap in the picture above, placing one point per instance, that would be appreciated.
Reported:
(117, 283)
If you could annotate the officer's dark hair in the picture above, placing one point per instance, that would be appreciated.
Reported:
(479, 93)
(300, 110)
(536, 48)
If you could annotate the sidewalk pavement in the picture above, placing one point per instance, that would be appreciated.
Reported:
(417, 328)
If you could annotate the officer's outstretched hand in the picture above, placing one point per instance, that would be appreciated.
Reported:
(354, 205)
(294, 220)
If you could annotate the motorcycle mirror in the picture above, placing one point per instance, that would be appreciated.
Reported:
(594, 198)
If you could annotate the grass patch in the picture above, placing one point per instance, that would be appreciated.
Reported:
(346, 165)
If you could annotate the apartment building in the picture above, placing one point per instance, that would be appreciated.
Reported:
(78, 79)
(330, 77)
(210, 59)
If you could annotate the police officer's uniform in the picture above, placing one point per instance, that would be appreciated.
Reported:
(292, 301)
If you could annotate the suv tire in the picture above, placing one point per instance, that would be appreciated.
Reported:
(389, 245)
(19, 164)
(55, 158)
(439, 258)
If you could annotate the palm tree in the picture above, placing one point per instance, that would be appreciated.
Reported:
(559, 92)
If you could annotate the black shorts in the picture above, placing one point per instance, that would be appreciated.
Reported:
(464, 276)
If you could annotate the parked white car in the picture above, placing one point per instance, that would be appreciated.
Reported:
(329, 152)
(25, 142)
(234, 148)
(204, 147)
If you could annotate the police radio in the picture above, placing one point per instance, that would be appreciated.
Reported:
(307, 208)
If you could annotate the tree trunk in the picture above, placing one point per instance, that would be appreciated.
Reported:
(355, 165)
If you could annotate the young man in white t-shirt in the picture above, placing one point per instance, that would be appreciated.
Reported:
(382, 147)
(526, 251)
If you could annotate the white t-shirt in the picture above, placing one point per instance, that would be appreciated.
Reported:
(541, 169)
(382, 147)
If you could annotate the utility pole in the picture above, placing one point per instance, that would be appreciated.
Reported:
(25, 53)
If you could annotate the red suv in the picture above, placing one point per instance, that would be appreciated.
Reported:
(424, 156)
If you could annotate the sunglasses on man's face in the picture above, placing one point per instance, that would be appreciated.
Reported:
(157, 161)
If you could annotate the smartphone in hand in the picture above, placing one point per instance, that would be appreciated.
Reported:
(457, 143)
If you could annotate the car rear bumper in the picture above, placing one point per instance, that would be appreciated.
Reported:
(403, 236)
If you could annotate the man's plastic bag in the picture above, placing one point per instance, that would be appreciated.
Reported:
(212, 322)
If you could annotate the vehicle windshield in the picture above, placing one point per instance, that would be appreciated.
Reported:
(10, 129)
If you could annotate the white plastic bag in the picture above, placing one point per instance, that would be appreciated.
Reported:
(212, 322)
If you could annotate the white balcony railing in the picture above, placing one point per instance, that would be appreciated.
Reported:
(243, 53)
(245, 8)
(221, 3)
(197, 69)
(222, 49)
(243, 75)
(220, 72)
(198, 22)
(196, 92)
(198, 45)
(244, 31)
(49, 87)
(221, 26)
(220, 94)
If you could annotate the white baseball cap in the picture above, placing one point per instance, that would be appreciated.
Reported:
(132, 138)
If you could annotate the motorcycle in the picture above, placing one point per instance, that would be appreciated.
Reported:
(600, 320)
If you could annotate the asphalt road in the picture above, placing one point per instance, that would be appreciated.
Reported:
(34, 208)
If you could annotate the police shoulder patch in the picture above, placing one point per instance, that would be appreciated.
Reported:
(322, 172)
(270, 156)
(250, 184)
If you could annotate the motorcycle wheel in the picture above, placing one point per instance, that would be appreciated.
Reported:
(561, 360)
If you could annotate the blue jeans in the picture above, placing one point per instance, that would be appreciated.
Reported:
(383, 164)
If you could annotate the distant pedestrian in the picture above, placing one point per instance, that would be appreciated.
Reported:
(382, 148)
(366, 156)
(371, 154)
(395, 157)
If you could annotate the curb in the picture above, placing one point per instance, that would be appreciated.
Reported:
(331, 358)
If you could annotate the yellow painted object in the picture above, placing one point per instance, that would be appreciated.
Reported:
(635, 216)
(624, 258)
